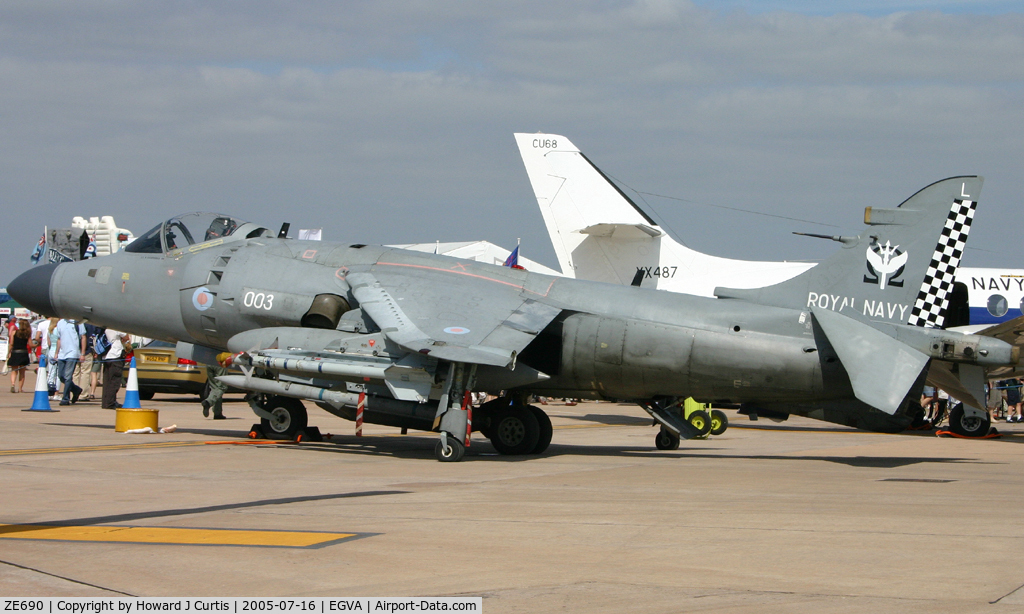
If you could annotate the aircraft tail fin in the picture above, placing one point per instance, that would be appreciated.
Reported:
(600, 234)
(899, 271)
(578, 201)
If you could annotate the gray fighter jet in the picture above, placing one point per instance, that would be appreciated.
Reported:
(405, 336)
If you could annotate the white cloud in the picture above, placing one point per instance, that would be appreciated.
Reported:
(392, 122)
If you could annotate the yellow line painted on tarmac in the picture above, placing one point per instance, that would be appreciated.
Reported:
(128, 446)
(172, 535)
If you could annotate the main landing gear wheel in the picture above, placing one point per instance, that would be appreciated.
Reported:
(483, 416)
(969, 426)
(452, 453)
(544, 436)
(719, 422)
(289, 417)
(666, 440)
(514, 430)
(700, 421)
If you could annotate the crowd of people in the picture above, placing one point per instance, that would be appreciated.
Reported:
(77, 357)
(1004, 398)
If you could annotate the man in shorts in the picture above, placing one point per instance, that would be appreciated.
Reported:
(87, 374)
(1013, 400)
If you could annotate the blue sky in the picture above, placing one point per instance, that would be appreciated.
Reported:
(392, 122)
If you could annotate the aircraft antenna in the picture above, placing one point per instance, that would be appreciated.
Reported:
(829, 237)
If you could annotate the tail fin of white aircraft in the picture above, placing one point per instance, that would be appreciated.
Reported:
(600, 234)
(577, 201)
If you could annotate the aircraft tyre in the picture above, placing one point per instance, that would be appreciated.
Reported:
(719, 422)
(544, 438)
(146, 395)
(514, 430)
(700, 421)
(483, 416)
(968, 426)
(666, 440)
(289, 417)
(452, 453)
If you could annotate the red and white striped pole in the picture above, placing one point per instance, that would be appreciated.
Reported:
(467, 404)
(359, 414)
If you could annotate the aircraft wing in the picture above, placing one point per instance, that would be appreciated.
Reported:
(486, 317)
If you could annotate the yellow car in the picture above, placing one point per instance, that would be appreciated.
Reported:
(160, 370)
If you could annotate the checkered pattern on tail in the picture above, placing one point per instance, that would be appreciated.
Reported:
(933, 298)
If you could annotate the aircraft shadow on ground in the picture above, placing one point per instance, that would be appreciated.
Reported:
(763, 425)
(164, 513)
(481, 450)
(884, 462)
(615, 419)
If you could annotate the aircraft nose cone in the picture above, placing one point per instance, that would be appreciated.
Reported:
(32, 289)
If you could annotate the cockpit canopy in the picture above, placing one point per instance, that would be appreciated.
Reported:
(189, 229)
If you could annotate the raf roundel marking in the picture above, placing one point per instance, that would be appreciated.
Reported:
(202, 299)
(456, 330)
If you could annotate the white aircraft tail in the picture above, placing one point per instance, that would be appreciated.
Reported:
(599, 234)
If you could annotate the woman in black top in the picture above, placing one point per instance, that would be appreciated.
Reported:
(17, 355)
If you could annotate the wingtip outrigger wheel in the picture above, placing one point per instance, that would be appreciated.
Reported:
(449, 449)
(454, 411)
(969, 422)
(666, 440)
(287, 418)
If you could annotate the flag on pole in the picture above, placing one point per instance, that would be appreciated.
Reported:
(513, 259)
(37, 253)
(90, 250)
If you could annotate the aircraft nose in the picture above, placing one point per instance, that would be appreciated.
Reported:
(32, 289)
